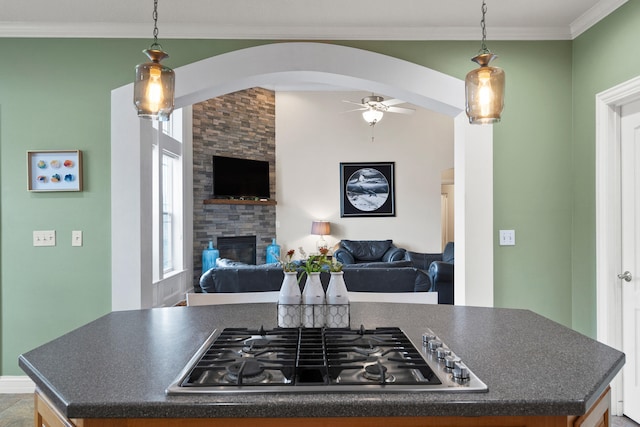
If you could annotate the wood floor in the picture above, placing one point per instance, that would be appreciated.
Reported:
(16, 410)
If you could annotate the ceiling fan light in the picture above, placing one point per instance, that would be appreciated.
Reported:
(372, 116)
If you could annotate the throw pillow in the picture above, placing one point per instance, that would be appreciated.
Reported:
(225, 262)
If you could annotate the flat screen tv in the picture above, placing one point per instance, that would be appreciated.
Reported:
(235, 178)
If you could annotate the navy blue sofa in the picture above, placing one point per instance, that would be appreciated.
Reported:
(439, 267)
(398, 276)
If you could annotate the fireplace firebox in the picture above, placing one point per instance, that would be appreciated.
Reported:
(238, 248)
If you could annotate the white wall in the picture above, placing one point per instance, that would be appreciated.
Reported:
(314, 134)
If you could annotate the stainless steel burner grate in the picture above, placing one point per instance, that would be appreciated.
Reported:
(237, 360)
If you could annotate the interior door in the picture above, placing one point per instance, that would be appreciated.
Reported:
(447, 213)
(630, 266)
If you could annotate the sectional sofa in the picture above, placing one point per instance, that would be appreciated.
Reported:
(400, 276)
(368, 265)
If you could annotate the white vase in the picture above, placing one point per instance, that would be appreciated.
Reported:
(289, 301)
(337, 312)
(313, 302)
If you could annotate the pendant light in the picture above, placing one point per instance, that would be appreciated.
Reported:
(484, 86)
(153, 90)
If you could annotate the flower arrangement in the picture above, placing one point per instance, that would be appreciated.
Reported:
(335, 266)
(315, 263)
(310, 264)
(287, 264)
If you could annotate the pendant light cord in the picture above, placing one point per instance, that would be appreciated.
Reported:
(155, 44)
(483, 48)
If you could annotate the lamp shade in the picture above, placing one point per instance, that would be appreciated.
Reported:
(372, 116)
(320, 228)
(154, 87)
(484, 89)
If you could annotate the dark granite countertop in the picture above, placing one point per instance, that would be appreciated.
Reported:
(121, 364)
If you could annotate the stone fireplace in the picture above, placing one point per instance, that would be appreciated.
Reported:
(238, 248)
(242, 125)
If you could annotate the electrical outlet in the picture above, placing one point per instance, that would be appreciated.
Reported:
(44, 238)
(76, 238)
(507, 237)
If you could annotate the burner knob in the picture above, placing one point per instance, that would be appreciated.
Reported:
(460, 371)
(442, 352)
(426, 337)
(451, 360)
(434, 345)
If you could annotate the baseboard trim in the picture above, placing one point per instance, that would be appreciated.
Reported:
(16, 385)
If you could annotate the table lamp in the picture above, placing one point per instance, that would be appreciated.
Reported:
(321, 228)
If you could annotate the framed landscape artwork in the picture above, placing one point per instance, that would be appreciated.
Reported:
(54, 170)
(367, 189)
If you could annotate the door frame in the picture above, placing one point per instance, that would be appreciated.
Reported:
(608, 220)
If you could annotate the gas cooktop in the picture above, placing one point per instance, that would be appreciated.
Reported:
(241, 360)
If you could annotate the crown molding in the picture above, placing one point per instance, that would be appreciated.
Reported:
(293, 32)
(185, 31)
(594, 15)
(72, 30)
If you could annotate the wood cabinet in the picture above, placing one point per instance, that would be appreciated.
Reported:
(597, 416)
(48, 415)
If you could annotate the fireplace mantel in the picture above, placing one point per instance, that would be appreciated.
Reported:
(239, 202)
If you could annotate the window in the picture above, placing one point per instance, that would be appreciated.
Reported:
(168, 226)
(168, 215)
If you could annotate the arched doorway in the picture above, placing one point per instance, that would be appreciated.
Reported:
(284, 63)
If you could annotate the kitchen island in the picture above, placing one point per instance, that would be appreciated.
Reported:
(114, 371)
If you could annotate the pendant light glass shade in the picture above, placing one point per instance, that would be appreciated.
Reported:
(484, 88)
(372, 116)
(154, 87)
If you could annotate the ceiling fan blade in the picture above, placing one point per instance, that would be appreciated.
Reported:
(401, 110)
(393, 101)
(354, 103)
(357, 109)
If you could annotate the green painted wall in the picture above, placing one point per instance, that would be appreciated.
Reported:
(532, 181)
(604, 56)
(55, 94)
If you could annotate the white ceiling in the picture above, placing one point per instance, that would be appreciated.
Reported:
(304, 19)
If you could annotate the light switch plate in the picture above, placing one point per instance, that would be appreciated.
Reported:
(507, 237)
(76, 238)
(44, 238)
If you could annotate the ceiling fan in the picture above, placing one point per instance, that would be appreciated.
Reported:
(373, 108)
